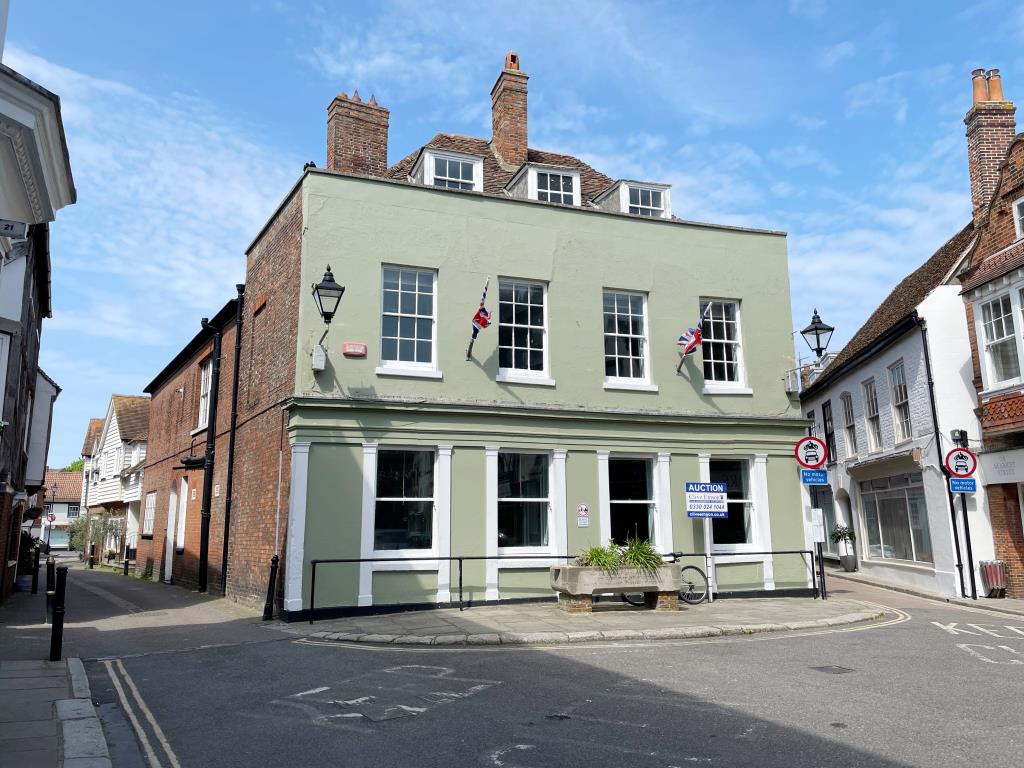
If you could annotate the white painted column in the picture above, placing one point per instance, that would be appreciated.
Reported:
(295, 551)
(559, 503)
(491, 526)
(443, 522)
(366, 529)
(663, 517)
(704, 461)
(604, 504)
(763, 516)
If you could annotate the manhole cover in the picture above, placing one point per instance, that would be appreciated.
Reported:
(833, 670)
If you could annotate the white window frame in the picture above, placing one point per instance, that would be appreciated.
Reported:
(551, 547)
(655, 521)
(403, 367)
(754, 545)
(1018, 217)
(666, 198)
(738, 387)
(519, 375)
(874, 438)
(417, 554)
(989, 382)
(642, 383)
(902, 432)
(533, 185)
(849, 425)
(5, 348)
(205, 386)
(429, 155)
(149, 514)
(77, 508)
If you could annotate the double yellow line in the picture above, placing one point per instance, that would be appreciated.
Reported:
(151, 754)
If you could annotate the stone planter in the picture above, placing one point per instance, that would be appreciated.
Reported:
(578, 584)
(849, 563)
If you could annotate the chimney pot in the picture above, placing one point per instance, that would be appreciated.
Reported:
(357, 136)
(355, 97)
(512, 61)
(995, 85)
(509, 114)
(980, 85)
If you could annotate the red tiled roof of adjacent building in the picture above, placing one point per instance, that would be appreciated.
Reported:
(132, 413)
(92, 433)
(496, 173)
(62, 485)
(900, 303)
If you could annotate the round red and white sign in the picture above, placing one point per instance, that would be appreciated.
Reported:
(811, 453)
(961, 462)
(51, 517)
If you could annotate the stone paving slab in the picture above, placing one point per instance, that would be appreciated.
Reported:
(547, 624)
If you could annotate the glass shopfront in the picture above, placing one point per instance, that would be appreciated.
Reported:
(895, 519)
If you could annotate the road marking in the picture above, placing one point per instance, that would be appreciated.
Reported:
(311, 690)
(969, 647)
(150, 756)
(149, 716)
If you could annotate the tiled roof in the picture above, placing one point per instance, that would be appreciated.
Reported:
(994, 266)
(92, 433)
(62, 485)
(900, 303)
(496, 173)
(132, 416)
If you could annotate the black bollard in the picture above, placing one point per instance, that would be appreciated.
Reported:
(35, 571)
(57, 630)
(51, 577)
(126, 565)
(268, 608)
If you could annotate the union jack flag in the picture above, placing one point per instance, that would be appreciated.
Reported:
(481, 320)
(692, 339)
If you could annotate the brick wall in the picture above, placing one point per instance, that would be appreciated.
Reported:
(357, 136)
(1004, 505)
(990, 129)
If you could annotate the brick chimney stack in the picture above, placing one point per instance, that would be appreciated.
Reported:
(990, 129)
(508, 113)
(357, 135)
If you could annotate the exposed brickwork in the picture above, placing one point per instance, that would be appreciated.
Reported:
(508, 113)
(990, 129)
(1004, 507)
(662, 601)
(357, 136)
(576, 603)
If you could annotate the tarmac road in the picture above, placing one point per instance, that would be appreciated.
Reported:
(933, 685)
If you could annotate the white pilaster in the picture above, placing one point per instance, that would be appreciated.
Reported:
(763, 516)
(604, 505)
(366, 530)
(443, 526)
(558, 502)
(491, 527)
(663, 507)
(295, 554)
(704, 462)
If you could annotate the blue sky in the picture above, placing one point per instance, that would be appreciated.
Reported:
(187, 122)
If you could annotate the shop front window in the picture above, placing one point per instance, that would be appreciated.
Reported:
(896, 519)
(523, 500)
(404, 517)
(736, 528)
(629, 490)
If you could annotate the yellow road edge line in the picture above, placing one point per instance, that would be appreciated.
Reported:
(150, 755)
(149, 716)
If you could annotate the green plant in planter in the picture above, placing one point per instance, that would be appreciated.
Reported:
(608, 558)
(641, 554)
(843, 533)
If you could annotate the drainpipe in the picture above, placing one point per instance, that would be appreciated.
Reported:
(920, 323)
(211, 439)
(229, 483)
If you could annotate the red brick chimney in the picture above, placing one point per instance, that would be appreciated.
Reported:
(508, 113)
(357, 136)
(990, 129)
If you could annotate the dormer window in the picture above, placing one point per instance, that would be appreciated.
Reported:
(562, 188)
(645, 201)
(452, 170)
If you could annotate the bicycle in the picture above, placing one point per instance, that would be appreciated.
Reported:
(693, 588)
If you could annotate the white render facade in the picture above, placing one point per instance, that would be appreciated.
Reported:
(885, 477)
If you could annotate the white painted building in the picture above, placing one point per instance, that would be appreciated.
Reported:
(112, 478)
(885, 407)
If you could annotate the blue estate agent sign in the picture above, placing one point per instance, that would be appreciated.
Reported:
(706, 500)
(963, 485)
(814, 476)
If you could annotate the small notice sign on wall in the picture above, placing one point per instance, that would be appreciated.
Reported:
(582, 516)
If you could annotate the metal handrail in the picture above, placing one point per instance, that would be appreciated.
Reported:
(461, 558)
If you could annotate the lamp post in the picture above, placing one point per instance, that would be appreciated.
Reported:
(817, 335)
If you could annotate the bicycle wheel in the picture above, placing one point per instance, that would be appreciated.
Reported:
(694, 588)
(633, 598)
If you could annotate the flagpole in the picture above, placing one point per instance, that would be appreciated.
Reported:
(472, 339)
(703, 317)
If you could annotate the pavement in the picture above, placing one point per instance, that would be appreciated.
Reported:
(546, 623)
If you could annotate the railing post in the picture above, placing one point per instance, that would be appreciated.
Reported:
(268, 607)
(57, 630)
(821, 566)
(312, 591)
(35, 571)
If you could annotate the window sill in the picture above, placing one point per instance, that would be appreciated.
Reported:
(197, 431)
(908, 565)
(511, 377)
(725, 389)
(1004, 388)
(412, 373)
(630, 386)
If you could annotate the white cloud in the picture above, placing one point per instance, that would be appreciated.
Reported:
(802, 156)
(808, 122)
(808, 9)
(838, 53)
(883, 92)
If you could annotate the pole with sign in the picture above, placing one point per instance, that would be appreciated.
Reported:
(961, 465)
